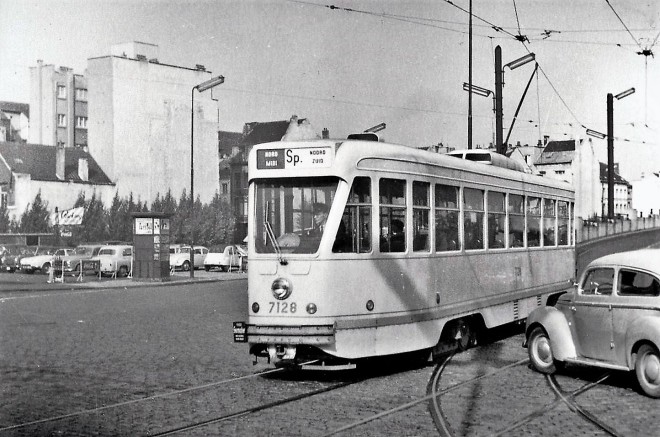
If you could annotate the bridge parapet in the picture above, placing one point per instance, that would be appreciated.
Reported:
(587, 230)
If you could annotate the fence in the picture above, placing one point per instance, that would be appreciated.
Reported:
(592, 229)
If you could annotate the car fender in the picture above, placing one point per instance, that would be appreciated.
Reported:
(555, 324)
(645, 329)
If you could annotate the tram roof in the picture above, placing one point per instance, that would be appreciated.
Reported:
(349, 152)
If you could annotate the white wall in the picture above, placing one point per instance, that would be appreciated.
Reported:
(139, 130)
(62, 195)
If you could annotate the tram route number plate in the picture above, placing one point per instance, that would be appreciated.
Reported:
(299, 158)
(240, 332)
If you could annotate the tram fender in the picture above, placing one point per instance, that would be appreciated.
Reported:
(555, 324)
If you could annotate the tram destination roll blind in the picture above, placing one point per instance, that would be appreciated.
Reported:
(306, 157)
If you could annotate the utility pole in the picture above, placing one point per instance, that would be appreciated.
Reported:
(610, 155)
(470, 81)
(500, 147)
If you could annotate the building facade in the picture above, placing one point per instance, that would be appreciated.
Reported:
(60, 174)
(14, 121)
(645, 199)
(58, 102)
(140, 124)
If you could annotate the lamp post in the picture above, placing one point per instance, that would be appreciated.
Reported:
(610, 148)
(500, 144)
(206, 85)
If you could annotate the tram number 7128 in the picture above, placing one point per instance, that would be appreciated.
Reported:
(283, 307)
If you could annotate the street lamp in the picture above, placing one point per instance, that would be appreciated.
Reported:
(206, 85)
(610, 148)
(500, 143)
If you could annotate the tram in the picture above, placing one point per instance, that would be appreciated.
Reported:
(363, 249)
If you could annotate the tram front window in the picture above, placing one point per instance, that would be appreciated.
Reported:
(291, 214)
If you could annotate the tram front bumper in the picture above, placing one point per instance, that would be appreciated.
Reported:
(315, 335)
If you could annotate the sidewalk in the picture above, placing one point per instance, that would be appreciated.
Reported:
(38, 282)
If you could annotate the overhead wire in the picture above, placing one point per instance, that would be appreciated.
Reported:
(624, 24)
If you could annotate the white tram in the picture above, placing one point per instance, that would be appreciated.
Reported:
(420, 251)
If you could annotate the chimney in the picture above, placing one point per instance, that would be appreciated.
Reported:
(545, 139)
(616, 167)
(59, 162)
(83, 169)
(325, 134)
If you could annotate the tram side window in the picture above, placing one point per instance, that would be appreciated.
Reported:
(533, 221)
(496, 218)
(516, 220)
(354, 233)
(473, 218)
(446, 218)
(549, 216)
(563, 226)
(392, 194)
(421, 207)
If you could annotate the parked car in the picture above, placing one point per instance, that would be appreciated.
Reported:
(232, 257)
(180, 257)
(43, 260)
(114, 260)
(611, 320)
(10, 257)
(71, 263)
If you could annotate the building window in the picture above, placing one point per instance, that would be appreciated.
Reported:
(225, 188)
(559, 172)
(61, 92)
(61, 144)
(81, 122)
(81, 94)
(542, 172)
(61, 120)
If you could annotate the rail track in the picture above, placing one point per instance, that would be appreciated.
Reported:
(37, 427)
(561, 396)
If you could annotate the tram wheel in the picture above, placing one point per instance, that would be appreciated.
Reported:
(540, 351)
(647, 369)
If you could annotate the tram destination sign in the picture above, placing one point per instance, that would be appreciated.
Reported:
(299, 158)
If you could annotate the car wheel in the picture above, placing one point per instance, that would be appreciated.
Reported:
(540, 351)
(224, 268)
(647, 369)
(185, 266)
(45, 267)
(123, 271)
(207, 268)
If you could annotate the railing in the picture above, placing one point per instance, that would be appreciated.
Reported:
(593, 229)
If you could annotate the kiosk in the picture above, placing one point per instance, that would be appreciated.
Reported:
(151, 243)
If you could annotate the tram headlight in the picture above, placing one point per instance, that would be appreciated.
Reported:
(255, 307)
(370, 305)
(281, 288)
(311, 308)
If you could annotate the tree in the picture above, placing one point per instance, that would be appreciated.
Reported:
(35, 217)
(6, 223)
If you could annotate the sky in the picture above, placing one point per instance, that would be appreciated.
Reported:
(360, 63)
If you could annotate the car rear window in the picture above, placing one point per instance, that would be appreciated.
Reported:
(634, 283)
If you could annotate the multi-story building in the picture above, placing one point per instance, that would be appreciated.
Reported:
(140, 124)
(58, 102)
(645, 199)
(622, 193)
(14, 121)
(573, 161)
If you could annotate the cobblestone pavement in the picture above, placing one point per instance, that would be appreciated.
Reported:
(116, 352)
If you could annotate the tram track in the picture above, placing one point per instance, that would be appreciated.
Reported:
(160, 429)
(561, 397)
(134, 402)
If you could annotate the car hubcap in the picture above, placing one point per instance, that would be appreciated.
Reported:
(543, 350)
(652, 369)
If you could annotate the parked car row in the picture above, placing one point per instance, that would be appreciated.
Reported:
(114, 258)
(232, 257)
